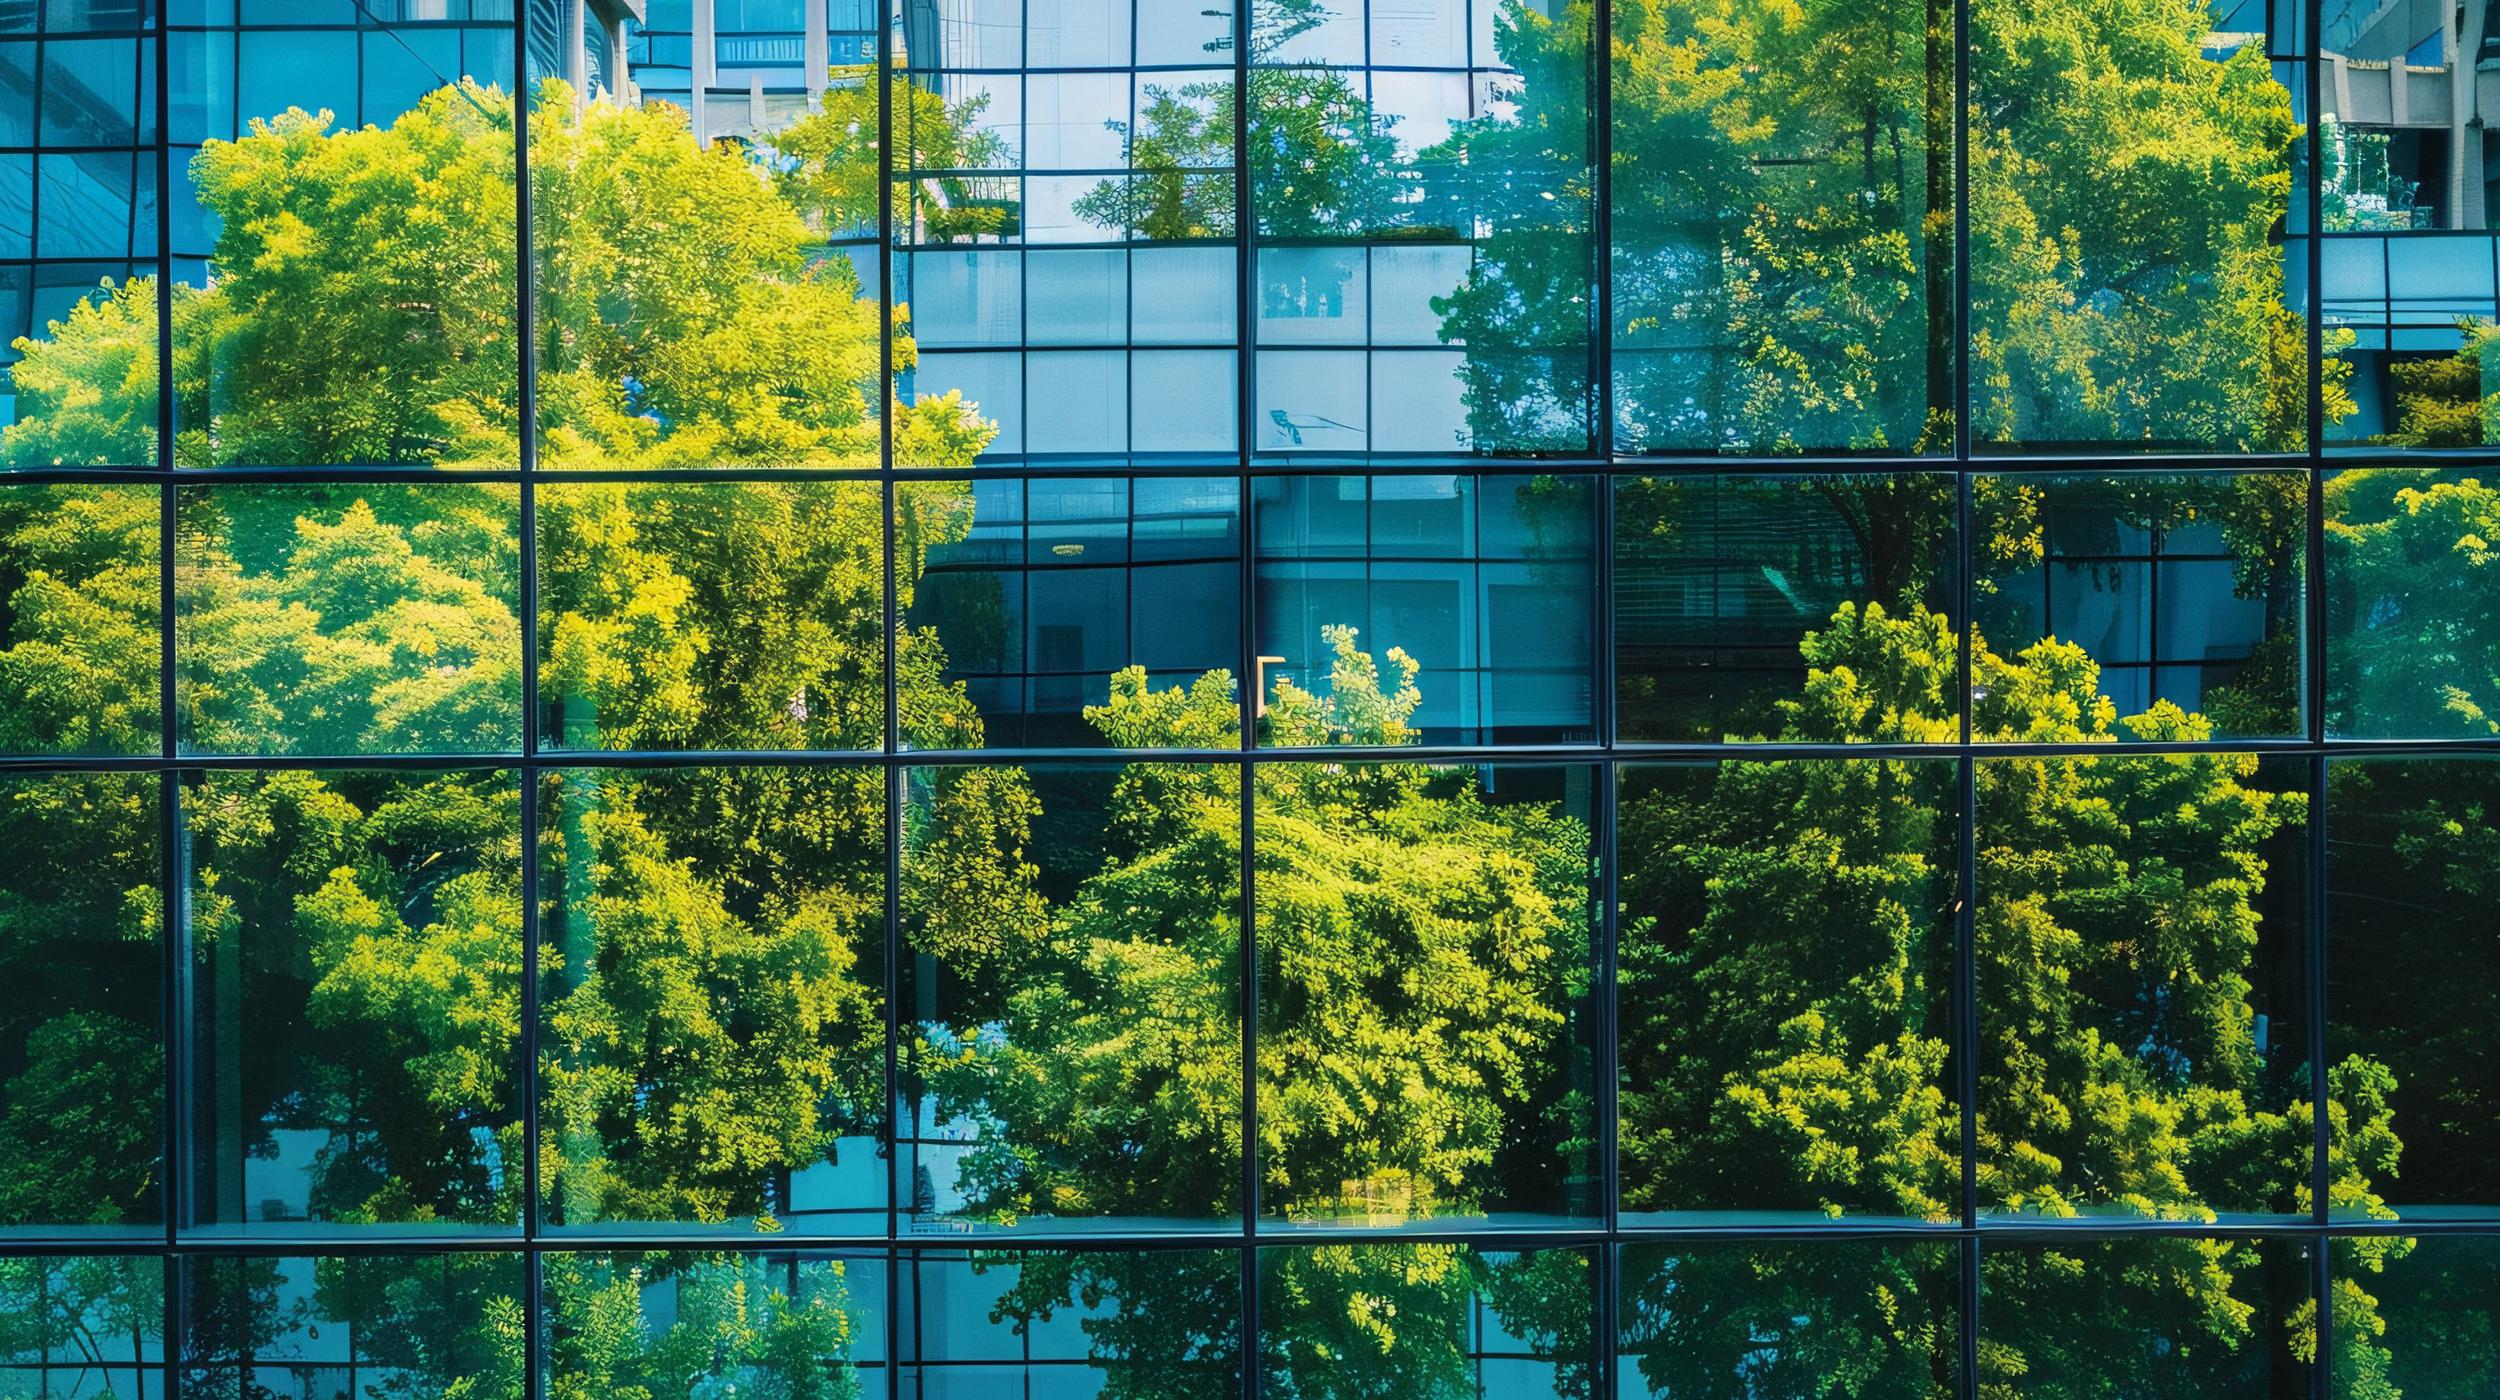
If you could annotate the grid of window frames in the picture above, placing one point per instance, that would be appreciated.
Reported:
(592, 809)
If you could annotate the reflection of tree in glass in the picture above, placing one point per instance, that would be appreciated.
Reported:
(363, 293)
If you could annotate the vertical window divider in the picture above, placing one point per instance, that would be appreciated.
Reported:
(1966, 915)
(2311, 43)
(888, 404)
(535, 1324)
(173, 925)
(1253, 684)
(1607, 1268)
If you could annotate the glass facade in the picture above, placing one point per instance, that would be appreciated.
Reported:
(1274, 698)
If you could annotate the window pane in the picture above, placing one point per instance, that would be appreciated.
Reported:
(2412, 987)
(1783, 977)
(2130, 186)
(2413, 1316)
(1439, 198)
(714, 1324)
(2142, 1012)
(1000, 1322)
(2412, 641)
(712, 616)
(1047, 597)
(355, 1002)
(2406, 237)
(1093, 209)
(689, 313)
(332, 1328)
(2181, 591)
(80, 654)
(1073, 1054)
(1783, 230)
(79, 337)
(1467, 1322)
(1782, 1321)
(1734, 594)
(1486, 584)
(711, 1014)
(347, 255)
(348, 619)
(83, 1326)
(82, 1053)
(2164, 1317)
(1425, 1006)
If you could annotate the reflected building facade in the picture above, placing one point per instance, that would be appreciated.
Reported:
(1302, 698)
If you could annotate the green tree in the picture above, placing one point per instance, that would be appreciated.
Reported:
(79, 640)
(2128, 200)
(2413, 649)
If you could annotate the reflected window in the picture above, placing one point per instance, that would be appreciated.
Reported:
(2164, 1316)
(1781, 1320)
(1486, 585)
(2410, 633)
(713, 974)
(79, 241)
(2184, 591)
(1072, 1056)
(1783, 250)
(2410, 985)
(440, 1324)
(1732, 593)
(2125, 295)
(1425, 943)
(355, 993)
(1044, 595)
(1470, 1321)
(714, 1323)
(82, 1039)
(83, 1326)
(340, 620)
(2413, 1314)
(80, 614)
(2142, 988)
(712, 616)
(276, 104)
(1064, 237)
(1028, 1322)
(1784, 968)
(1421, 185)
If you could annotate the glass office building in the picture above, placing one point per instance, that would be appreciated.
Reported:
(1273, 698)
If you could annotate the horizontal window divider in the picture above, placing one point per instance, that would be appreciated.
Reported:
(1454, 756)
(1046, 172)
(1269, 1238)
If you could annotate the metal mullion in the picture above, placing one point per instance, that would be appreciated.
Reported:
(1216, 1237)
(890, 1112)
(173, 926)
(1441, 756)
(535, 1323)
(1966, 923)
(1251, 689)
(2313, 623)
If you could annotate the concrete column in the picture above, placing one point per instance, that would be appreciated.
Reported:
(706, 67)
(577, 50)
(2465, 127)
(819, 58)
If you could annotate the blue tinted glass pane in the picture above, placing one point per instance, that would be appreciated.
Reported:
(1077, 401)
(91, 93)
(966, 298)
(1401, 561)
(1182, 401)
(1147, 1322)
(1056, 585)
(1077, 298)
